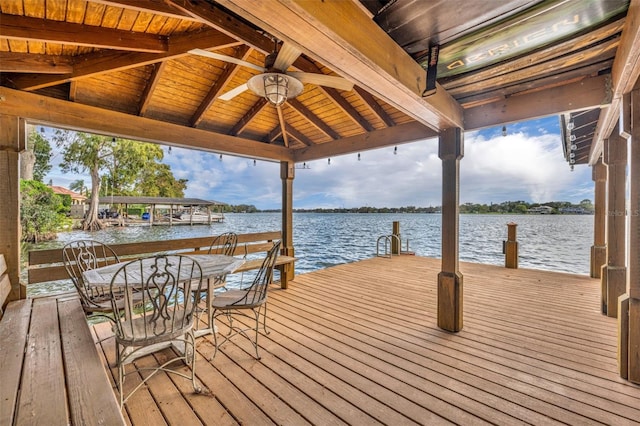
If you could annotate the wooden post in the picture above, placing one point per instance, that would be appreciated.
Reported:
(395, 244)
(511, 247)
(599, 247)
(287, 174)
(12, 142)
(450, 297)
(615, 272)
(629, 303)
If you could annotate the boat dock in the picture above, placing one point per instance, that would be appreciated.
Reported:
(359, 344)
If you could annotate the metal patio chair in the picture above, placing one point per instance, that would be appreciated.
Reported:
(82, 255)
(224, 244)
(163, 283)
(240, 302)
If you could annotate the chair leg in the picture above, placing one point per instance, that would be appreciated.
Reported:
(257, 314)
(264, 320)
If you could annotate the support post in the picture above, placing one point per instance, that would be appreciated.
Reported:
(12, 142)
(599, 247)
(450, 296)
(287, 174)
(629, 303)
(615, 272)
(511, 247)
(395, 243)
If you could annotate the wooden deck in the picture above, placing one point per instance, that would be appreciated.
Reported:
(358, 344)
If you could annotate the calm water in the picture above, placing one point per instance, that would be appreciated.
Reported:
(557, 243)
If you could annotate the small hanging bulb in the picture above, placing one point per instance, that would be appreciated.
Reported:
(113, 139)
(358, 156)
(220, 157)
(304, 165)
(570, 126)
(169, 150)
(42, 130)
(329, 161)
(504, 130)
(254, 163)
(395, 151)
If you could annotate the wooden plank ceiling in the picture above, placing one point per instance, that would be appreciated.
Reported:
(125, 67)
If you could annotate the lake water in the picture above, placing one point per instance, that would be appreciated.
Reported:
(551, 242)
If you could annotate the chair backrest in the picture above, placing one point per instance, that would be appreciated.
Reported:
(257, 292)
(82, 255)
(160, 284)
(224, 244)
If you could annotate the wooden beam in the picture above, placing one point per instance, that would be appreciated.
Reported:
(344, 38)
(625, 73)
(297, 106)
(294, 133)
(402, 133)
(152, 82)
(59, 113)
(374, 106)
(347, 108)
(250, 115)
(34, 63)
(221, 82)
(589, 93)
(157, 7)
(94, 64)
(15, 27)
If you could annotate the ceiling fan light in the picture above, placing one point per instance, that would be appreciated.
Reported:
(275, 87)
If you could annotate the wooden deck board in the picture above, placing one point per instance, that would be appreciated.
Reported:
(358, 344)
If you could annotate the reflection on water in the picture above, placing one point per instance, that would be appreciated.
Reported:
(550, 242)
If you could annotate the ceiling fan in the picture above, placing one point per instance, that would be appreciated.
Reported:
(275, 83)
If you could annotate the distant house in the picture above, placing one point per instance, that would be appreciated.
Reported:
(75, 197)
(541, 210)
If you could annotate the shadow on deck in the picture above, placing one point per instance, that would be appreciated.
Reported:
(358, 344)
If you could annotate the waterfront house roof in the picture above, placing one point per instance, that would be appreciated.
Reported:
(129, 69)
(121, 199)
(64, 191)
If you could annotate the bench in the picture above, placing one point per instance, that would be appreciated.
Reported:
(51, 372)
(46, 265)
(5, 284)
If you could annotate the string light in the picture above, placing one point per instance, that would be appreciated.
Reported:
(254, 163)
(395, 151)
(504, 130)
(329, 161)
(358, 156)
(220, 157)
(570, 126)
(169, 150)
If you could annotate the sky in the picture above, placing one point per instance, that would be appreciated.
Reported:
(527, 164)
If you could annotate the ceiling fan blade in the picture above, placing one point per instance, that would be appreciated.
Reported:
(323, 80)
(227, 96)
(286, 56)
(226, 58)
(283, 127)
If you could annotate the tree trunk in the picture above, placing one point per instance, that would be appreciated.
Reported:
(91, 221)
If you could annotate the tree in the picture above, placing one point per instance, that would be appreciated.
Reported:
(42, 213)
(42, 151)
(86, 153)
(157, 180)
(79, 186)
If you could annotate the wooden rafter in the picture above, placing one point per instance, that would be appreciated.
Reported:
(34, 63)
(157, 7)
(347, 108)
(250, 115)
(152, 82)
(297, 106)
(103, 62)
(374, 106)
(50, 31)
(277, 132)
(222, 81)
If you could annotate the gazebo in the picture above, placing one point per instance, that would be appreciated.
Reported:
(297, 80)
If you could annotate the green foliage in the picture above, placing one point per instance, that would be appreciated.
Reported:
(42, 213)
(157, 180)
(42, 151)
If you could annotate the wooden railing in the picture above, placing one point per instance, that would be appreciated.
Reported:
(46, 265)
